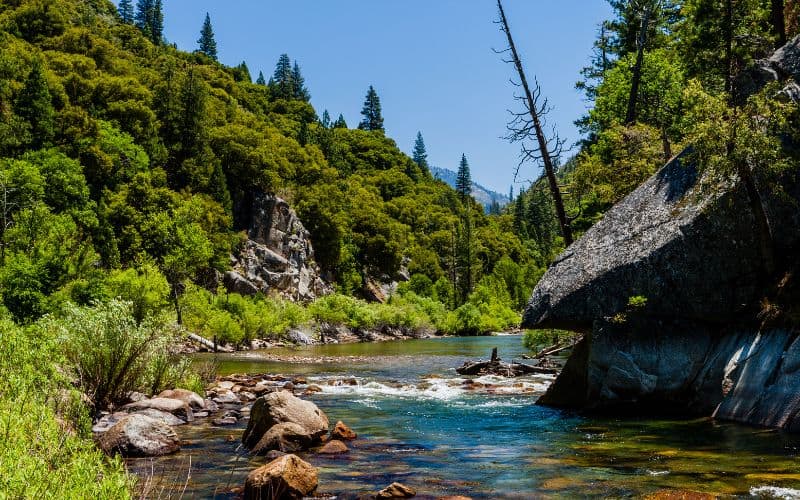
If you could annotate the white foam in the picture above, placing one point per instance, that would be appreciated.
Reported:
(775, 492)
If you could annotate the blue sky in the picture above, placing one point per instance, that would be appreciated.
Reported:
(431, 62)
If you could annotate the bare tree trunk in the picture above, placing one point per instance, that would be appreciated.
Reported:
(667, 146)
(779, 23)
(729, 47)
(544, 150)
(641, 41)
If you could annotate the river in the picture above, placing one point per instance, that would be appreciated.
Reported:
(420, 425)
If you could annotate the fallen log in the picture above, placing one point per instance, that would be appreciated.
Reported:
(208, 344)
(496, 367)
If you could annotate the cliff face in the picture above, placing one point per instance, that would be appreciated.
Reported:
(687, 242)
(277, 256)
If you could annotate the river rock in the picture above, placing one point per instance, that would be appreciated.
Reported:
(138, 435)
(333, 447)
(286, 477)
(685, 240)
(287, 437)
(193, 399)
(396, 490)
(162, 416)
(173, 406)
(279, 407)
(226, 397)
(343, 432)
(278, 256)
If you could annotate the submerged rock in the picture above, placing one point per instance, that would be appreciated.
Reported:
(286, 477)
(138, 435)
(333, 447)
(343, 432)
(282, 407)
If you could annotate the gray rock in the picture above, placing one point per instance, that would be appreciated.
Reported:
(139, 436)
(193, 399)
(277, 256)
(173, 406)
(282, 407)
(287, 437)
(224, 421)
(299, 338)
(162, 416)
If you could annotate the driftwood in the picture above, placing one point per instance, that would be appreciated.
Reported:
(208, 344)
(557, 348)
(495, 366)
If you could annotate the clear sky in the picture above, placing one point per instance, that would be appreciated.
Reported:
(431, 62)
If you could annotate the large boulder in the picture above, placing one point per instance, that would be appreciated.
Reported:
(686, 240)
(277, 256)
(138, 435)
(282, 407)
(194, 400)
(287, 437)
(286, 477)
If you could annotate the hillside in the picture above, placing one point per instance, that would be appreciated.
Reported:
(482, 195)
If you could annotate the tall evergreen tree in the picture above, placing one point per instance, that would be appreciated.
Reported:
(282, 82)
(126, 12)
(463, 179)
(373, 120)
(157, 23)
(260, 80)
(34, 104)
(150, 19)
(207, 43)
(420, 152)
(511, 194)
(299, 89)
(241, 73)
(326, 119)
(340, 123)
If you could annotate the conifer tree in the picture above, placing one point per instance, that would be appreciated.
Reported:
(150, 19)
(241, 73)
(299, 89)
(207, 43)
(281, 84)
(420, 152)
(125, 10)
(511, 194)
(260, 80)
(373, 120)
(326, 119)
(34, 104)
(464, 179)
(340, 123)
(157, 23)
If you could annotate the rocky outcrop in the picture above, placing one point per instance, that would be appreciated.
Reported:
(139, 436)
(286, 477)
(283, 407)
(277, 256)
(684, 247)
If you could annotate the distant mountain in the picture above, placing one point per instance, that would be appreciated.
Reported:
(482, 195)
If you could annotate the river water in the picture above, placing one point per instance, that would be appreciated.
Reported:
(420, 425)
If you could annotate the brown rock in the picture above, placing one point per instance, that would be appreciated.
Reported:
(285, 477)
(192, 399)
(333, 447)
(139, 436)
(680, 495)
(343, 432)
(396, 490)
(279, 407)
(287, 437)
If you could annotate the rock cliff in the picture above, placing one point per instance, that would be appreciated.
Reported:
(277, 256)
(686, 242)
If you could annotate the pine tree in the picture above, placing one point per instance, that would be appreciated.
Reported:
(125, 10)
(372, 112)
(241, 73)
(144, 13)
(299, 90)
(420, 152)
(157, 23)
(207, 43)
(326, 119)
(281, 83)
(340, 123)
(511, 194)
(260, 80)
(463, 179)
(34, 104)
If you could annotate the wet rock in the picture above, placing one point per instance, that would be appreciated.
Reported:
(201, 414)
(224, 421)
(193, 399)
(211, 406)
(226, 397)
(313, 388)
(396, 490)
(288, 386)
(226, 384)
(279, 407)
(173, 406)
(343, 432)
(287, 477)
(680, 495)
(273, 454)
(333, 447)
(287, 437)
(162, 416)
(139, 436)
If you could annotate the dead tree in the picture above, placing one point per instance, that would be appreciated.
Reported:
(529, 124)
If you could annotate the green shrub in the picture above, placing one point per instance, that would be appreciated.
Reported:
(145, 288)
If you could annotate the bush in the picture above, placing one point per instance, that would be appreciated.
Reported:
(145, 288)
(110, 353)
(46, 448)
